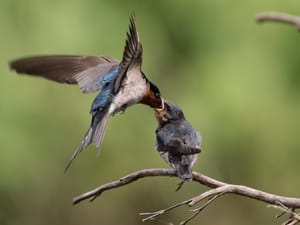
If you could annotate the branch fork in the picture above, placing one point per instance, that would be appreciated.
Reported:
(218, 189)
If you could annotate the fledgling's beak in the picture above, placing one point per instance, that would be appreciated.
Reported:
(160, 113)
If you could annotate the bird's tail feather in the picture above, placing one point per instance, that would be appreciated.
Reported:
(184, 168)
(184, 172)
(99, 131)
(94, 135)
(84, 143)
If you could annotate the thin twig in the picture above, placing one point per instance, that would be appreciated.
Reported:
(200, 209)
(279, 17)
(294, 217)
(153, 215)
(291, 222)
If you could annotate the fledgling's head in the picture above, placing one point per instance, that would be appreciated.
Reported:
(152, 97)
(170, 112)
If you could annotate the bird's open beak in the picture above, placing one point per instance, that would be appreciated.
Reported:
(160, 113)
(159, 110)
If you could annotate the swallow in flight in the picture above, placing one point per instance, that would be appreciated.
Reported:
(121, 84)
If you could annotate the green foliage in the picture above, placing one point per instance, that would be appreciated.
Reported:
(237, 82)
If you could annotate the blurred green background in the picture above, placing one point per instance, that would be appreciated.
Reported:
(237, 82)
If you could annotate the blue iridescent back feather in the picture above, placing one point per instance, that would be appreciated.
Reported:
(108, 77)
(105, 84)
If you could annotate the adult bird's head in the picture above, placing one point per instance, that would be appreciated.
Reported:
(168, 113)
(152, 97)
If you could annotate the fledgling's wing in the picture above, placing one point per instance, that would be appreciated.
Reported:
(70, 69)
(132, 55)
(180, 146)
(185, 140)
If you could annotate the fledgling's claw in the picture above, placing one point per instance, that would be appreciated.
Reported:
(179, 185)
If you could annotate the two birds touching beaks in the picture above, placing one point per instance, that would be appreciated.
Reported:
(121, 84)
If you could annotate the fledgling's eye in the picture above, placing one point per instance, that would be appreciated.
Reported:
(157, 94)
(168, 108)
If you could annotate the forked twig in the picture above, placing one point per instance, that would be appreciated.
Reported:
(200, 209)
(294, 217)
(153, 215)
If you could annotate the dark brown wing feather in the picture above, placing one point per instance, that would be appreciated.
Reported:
(60, 68)
(132, 55)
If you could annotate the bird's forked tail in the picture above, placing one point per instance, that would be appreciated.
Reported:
(94, 135)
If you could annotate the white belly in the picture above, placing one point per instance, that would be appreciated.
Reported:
(133, 89)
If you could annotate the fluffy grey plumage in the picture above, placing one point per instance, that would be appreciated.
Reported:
(176, 140)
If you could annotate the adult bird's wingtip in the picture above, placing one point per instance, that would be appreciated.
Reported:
(10, 65)
(133, 45)
(14, 65)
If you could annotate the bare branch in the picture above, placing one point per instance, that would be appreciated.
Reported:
(218, 188)
(250, 193)
(279, 17)
(123, 181)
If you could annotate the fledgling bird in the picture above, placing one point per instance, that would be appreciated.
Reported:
(176, 140)
(121, 84)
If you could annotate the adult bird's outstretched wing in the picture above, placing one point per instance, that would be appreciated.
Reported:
(70, 69)
(132, 55)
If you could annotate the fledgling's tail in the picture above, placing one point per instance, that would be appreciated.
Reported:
(94, 135)
(184, 167)
(184, 173)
